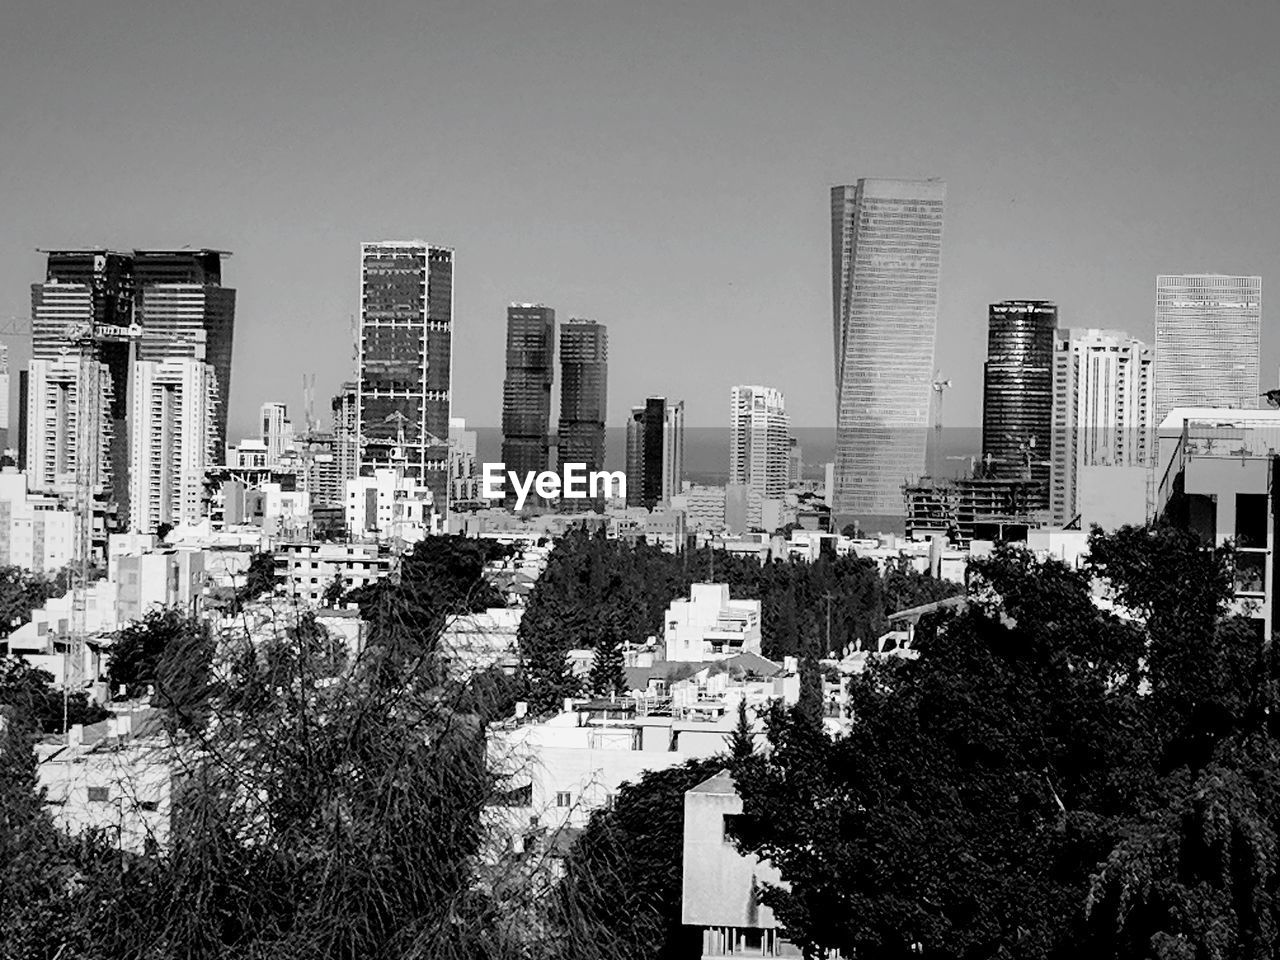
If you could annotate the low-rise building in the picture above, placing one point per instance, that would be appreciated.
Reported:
(390, 507)
(710, 625)
(37, 530)
(308, 569)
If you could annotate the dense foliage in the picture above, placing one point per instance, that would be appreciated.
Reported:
(30, 692)
(598, 593)
(1047, 780)
(22, 591)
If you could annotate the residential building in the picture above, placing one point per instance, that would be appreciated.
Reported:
(159, 579)
(526, 391)
(759, 442)
(1017, 392)
(1208, 330)
(464, 468)
(346, 432)
(720, 887)
(655, 452)
(710, 625)
(172, 427)
(405, 356)
(1103, 426)
(886, 245)
(703, 507)
(390, 506)
(277, 431)
(584, 393)
(37, 530)
(1218, 470)
(308, 569)
(472, 643)
(5, 437)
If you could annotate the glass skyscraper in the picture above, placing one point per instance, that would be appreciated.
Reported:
(526, 391)
(1017, 392)
(405, 359)
(1208, 328)
(886, 244)
(584, 387)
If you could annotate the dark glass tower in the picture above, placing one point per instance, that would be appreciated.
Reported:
(405, 359)
(1017, 390)
(584, 360)
(526, 391)
(646, 446)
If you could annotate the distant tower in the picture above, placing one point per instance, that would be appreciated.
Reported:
(526, 391)
(655, 452)
(1017, 391)
(405, 358)
(346, 432)
(1208, 329)
(277, 431)
(759, 442)
(584, 388)
(886, 244)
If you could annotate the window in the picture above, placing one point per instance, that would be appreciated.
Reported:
(1251, 520)
(562, 798)
(151, 806)
(732, 824)
(99, 794)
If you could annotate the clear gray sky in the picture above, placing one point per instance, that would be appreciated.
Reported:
(660, 166)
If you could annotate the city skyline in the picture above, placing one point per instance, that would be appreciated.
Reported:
(1059, 184)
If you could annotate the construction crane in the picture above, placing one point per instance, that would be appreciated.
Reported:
(938, 386)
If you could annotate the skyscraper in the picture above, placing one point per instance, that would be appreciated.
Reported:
(180, 292)
(277, 430)
(4, 398)
(1208, 328)
(584, 388)
(759, 443)
(346, 432)
(655, 452)
(526, 391)
(1017, 391)
(1103, 415)
(173, 411)
(886, 243)
(405, 357)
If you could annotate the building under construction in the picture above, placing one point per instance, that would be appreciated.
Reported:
(968, 509)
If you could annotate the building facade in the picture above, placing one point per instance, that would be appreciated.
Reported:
(655, 452)
(886, 245)
(405, 357)
(584, 389)
(759, 441)
(1103, 414)
(1017, 391)
(276, 430)
(346, 431)
(1208, 329)
(526, 391)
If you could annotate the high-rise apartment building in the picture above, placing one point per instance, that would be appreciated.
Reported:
(277, 431)
(1017, 392)
(180, 296)
(1103, 414)
(584, 388)
(759, 443)
(526, 391)
(655, 452)
(53, 412)
(1208, 329)
(405, 358)
(4, 398)
(346, 431)
(173, 411)
(886, 244)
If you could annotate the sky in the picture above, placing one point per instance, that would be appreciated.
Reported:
(662, 167)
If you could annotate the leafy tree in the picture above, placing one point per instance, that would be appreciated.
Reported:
(22, 591)
(29, 691)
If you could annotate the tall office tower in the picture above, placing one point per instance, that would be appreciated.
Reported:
(655, 452)
(173, 414)
(83, 288)
(584, 388)
(405, 358)
(1207, 341)
(526, 391)
(759, 442)
(54, 388)
(886, 241)
(346, 431)
(1017, 392)
(4, 398)
(179, 294)
(1103, 414)
(277, 431)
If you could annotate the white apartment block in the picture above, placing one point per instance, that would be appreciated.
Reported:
(172, 416)
(759, 441)
(37, 532)
(390, 506)
(277, 431)
(53, 411)
(710, 625)
(1103, 413)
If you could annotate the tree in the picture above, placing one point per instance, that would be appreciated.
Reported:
(22, 591)
(29, 691)
(741, 742)
(138, 646)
